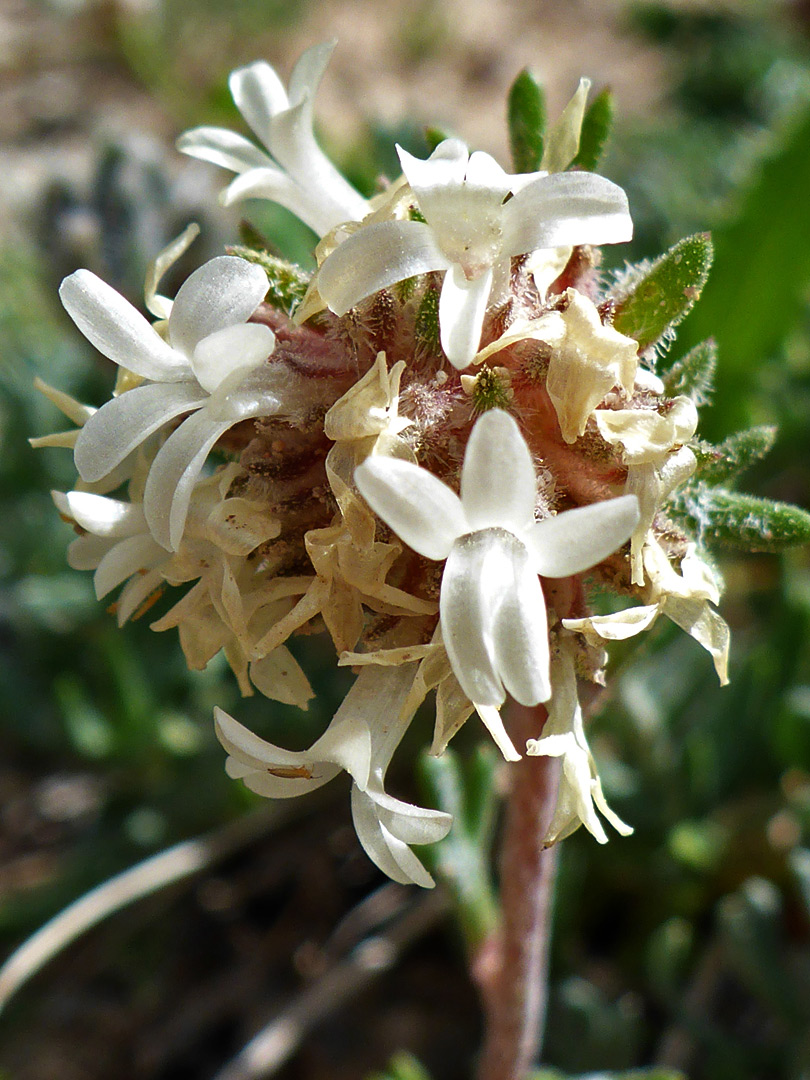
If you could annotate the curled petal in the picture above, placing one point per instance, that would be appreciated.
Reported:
(279, 676)
(121, 425)
(223, 292)
(126, 558)
(411, 824)
(173, 474)
(375, 257)
(498, 481)
(390, 854)
(118, 330)
(520, 633)
(578, 539)
(477, 574)
(566, 209)
(223, 359)
(259, 95)
(421, 510)
(222, 147)
(100, 515)
(462, 306)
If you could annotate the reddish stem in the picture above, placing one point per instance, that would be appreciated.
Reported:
(511, 968)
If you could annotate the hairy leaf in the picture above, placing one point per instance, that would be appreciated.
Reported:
(717, 464)
(527, 122)
(596, 127)
(731, 519)
(693, 374)
(666, 291)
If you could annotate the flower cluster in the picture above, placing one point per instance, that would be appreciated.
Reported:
(337, 454)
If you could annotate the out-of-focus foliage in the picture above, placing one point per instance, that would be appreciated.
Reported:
(684, 948)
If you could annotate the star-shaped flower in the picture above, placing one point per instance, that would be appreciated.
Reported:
(492, 610)
(362, 738)
(564, 737)
(209, 366)
(295, 172)
(476, 217)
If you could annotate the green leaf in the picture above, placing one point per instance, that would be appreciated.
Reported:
(596, 127)
(527, 122)
(693, 374)
(741, 521)
(434, 136)
(426, 326)
(402, 1066)
(717, 464)
(467, 791)
(287, 283)
(666, 291)
(758, 291)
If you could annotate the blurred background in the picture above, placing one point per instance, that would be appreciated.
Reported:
(684, 948)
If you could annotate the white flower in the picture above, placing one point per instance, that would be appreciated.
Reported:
(657, 460)
(471, 229)
(362, 737)
(295, 173)
(209, 366)
(564, 737)
(117, 544)
(493, 613)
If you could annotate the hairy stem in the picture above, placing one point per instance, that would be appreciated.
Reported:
(511, 968)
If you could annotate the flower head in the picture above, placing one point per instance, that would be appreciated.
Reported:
(203, 367)
(492, 609)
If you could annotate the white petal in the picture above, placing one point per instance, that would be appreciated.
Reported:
(259, 95)
(136, 592)
(254, 760)
(279, 676)
(476, 574)
(411, 824)
(577, 539)
(123, 560)
(227, 355)
(222, 147)
(118, 330)
(86, 552)
(308, 71)
(100, 515)
(173, 474)
(498, 481)
(462, 307)
(491, 717)
(223, 292)
(520, 634)
(127, 421)
(391, 855)
(446, 167)
(421, 510)
(271, 183)
(159, 306)
(377, 256)
(294, 146)
(566, 209)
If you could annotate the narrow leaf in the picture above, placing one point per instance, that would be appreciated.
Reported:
(717, 464)
(741, 521)
(287, 283)
(666, 292)
(693, 374)
(426, 328)
(527, 122)
(434, 136)
(596, 127)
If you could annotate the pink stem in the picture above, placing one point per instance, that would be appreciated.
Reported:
(511, 968)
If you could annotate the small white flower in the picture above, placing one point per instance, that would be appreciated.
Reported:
(472, 226)
(564, 737)
(295, 173)
(208, 366)
(493, 613)
(362, 738)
